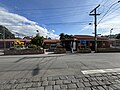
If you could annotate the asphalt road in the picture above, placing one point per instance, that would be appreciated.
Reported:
(19, 67)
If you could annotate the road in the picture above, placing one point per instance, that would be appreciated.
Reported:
(60, 72)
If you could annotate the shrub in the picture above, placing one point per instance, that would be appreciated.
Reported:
(32, 46)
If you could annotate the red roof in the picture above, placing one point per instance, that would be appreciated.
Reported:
(28, 40)
(12, 40)
(51, 40)
(88, 37)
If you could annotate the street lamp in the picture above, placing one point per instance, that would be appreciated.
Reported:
(37, 31)
(111, 32)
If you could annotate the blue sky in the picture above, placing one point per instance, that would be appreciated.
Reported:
(52, 17)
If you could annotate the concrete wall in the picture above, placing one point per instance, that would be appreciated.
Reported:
(107, 50)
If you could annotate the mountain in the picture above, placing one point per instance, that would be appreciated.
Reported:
(8, 34)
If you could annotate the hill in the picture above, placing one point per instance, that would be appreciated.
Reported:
(8, 34)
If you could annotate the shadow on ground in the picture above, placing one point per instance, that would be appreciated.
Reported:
(35, 71)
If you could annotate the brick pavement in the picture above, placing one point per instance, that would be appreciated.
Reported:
(101, 81)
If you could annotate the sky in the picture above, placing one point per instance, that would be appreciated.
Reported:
(52, 17)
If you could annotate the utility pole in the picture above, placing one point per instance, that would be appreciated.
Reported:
(4, 43)
(95, 24)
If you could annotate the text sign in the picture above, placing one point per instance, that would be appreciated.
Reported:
(82, 41)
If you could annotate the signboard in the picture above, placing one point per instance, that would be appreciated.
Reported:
(82, 41)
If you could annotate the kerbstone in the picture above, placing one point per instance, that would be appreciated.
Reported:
(51, 83)
(87, 84)
(59, 82)
(80, 85)
(56, 87)
(72, 86)
(93, 83)
(44, 83)
(63, 86)
(55, 78)
(28, 85)
(48, 87)
(40, 88)
(66, 81)
(32, 89)
(100, 88)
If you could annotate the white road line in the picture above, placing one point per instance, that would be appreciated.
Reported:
(100, 71)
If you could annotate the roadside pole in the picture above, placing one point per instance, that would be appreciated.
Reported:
(95, 24)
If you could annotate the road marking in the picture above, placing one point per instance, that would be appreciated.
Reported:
(100, 71)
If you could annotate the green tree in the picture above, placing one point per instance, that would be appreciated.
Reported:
(62, 36)
(38, 40)
(65, 36)
(118, 36)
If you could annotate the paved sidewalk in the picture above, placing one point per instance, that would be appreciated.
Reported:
(103, 81)
(33, 55)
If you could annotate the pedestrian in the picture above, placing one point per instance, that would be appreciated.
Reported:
(72, 49)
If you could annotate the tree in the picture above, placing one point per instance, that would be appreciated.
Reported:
(27, 37)
(62, 36)
(118, 36)
(65, 36)
(38, 40)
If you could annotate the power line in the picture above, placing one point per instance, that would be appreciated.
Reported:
(65, 23)
(57, 13)
(101, 1)
(62, 15)
(106, 8)
(51, 8)
(112, 14)
(60, 12)
(107, 11)
(104, 2)
(114, 10)
(106, 5)
(58, 23)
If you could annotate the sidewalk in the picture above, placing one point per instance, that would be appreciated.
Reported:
(47, 54)
(101, 81)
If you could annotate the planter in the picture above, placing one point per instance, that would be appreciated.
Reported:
(84, 50)
(23, 51)
(107, 50)
(59, 50)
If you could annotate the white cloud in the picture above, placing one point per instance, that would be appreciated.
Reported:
(20, 24)
(104, 27)
(112, 21)
(53, 31)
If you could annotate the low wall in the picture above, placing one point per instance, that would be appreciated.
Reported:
(23, 51)
(84, 50)
(107, 50)
(59, 50)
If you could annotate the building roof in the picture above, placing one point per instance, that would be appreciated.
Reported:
(51, 40)
(89, 38)
(12, 40)
(28, 40)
